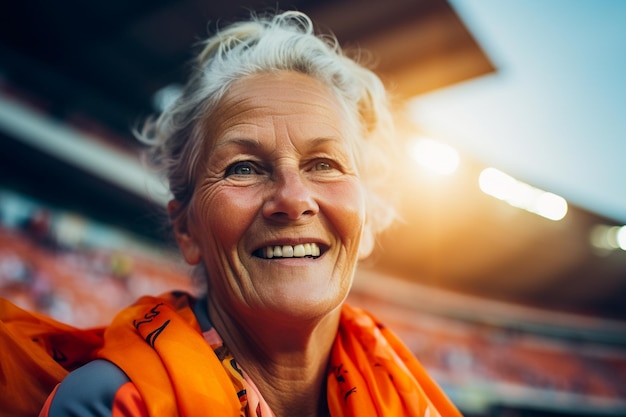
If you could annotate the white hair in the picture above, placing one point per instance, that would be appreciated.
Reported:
(283, 42)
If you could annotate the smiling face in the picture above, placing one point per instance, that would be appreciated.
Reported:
(278, 209)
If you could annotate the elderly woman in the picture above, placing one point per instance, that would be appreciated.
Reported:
(269, 154)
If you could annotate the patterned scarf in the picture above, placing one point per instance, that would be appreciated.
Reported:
(180, 371)
(371, 373)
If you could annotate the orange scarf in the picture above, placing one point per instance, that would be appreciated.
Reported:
(371, 372)
(159, 345)
(36, 352)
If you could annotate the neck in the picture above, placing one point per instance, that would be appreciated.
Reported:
(287, 361)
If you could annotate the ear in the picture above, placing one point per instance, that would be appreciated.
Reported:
(366, 245)
(187, 244)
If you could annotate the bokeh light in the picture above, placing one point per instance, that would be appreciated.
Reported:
(609, 238)
(519, 194)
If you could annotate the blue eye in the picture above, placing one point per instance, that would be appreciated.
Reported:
(241, 168)
(323, 166)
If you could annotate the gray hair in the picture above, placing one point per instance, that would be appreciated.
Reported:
(283, 42)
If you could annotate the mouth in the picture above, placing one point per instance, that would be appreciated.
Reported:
(303, 250)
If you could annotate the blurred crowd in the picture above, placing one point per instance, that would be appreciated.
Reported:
(73, 270)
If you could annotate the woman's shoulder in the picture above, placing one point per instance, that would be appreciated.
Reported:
(94, 390)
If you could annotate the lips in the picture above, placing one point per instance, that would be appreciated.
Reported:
(303, 250)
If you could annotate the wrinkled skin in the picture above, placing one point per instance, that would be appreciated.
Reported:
(277, 169)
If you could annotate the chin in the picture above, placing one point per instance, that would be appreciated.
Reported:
(308, 308)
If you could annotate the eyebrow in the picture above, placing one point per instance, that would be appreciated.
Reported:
(241, 142)
(255, 144)
(323, 140)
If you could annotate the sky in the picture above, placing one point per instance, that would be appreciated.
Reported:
(554, 113)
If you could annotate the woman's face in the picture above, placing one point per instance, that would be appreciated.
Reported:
(278, 209)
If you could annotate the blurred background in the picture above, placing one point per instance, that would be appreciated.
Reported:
(506, 274)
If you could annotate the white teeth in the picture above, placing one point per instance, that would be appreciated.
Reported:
(298, 251)
(288, 251)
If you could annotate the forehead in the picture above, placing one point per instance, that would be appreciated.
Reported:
(284, 100)
(284, 86)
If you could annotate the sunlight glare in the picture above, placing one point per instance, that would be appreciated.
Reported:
(435, 156)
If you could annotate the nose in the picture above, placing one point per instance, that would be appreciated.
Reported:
(290, 198)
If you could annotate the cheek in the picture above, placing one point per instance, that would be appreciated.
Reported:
(344, 205)
(226, 214)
